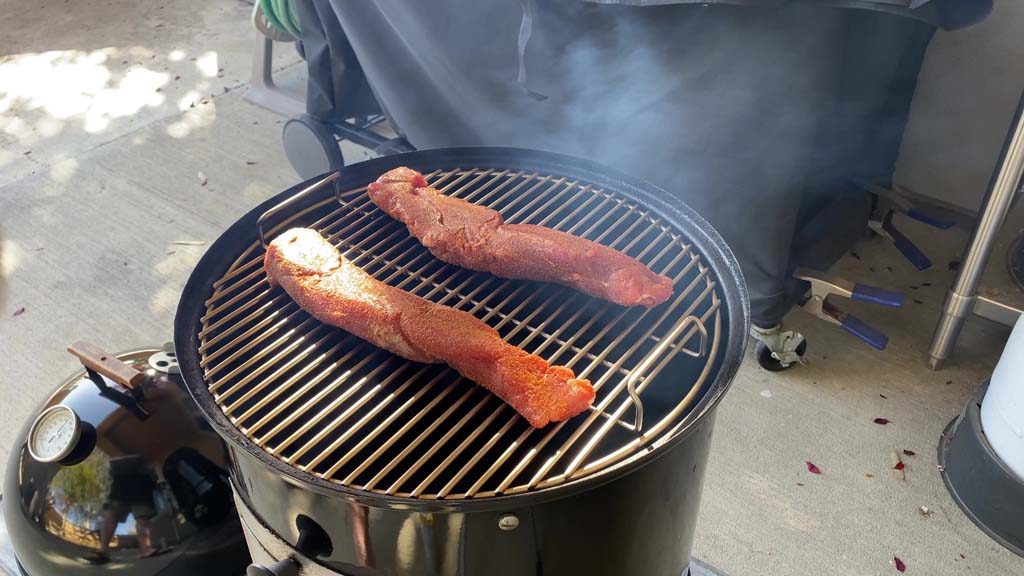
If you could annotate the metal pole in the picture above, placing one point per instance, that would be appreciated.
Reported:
(961, 298)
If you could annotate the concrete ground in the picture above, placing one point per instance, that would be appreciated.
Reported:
(108, 113)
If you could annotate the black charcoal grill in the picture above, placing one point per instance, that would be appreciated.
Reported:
(355, 461)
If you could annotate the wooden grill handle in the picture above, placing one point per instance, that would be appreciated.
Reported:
(94, 358)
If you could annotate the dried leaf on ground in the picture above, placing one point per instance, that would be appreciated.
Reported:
(882, 421)
(897, 464)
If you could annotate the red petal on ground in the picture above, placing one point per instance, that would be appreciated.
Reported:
(899, 466)
(900, 566)
(812, 468)
(882, 421)
(18, 312)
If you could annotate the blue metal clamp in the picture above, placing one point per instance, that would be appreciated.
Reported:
(824, 286)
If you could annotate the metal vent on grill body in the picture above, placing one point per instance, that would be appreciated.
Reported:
(332, 405)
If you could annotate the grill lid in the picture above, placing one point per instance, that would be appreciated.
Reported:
(331, 407)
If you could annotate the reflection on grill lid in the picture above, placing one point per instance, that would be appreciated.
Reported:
(336, 407)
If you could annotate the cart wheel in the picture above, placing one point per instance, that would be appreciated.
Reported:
(765, 359)
(310, 146)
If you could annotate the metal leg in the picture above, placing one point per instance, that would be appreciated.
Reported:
(262, 89)
(261, 64)
(961, 298)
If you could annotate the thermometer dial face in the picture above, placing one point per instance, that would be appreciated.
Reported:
(54, 434)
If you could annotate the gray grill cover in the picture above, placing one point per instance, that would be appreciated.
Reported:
(757, 117)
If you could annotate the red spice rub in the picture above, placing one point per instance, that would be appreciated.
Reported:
(335, 291)
(476, 237)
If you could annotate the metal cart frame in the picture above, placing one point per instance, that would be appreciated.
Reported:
(963, 297)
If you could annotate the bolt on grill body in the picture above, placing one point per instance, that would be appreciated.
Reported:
(332, 405)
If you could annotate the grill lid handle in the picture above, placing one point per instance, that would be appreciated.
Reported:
(94, 358)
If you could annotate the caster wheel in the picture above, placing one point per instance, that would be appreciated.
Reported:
(765, 359)
(311, 147)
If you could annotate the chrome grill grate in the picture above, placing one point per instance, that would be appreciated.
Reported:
(336, 407)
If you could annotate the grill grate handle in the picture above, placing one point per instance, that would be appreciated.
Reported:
(655, 354)
(332, 177)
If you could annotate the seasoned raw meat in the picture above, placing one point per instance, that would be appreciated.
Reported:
(339, 293)
(476, 237)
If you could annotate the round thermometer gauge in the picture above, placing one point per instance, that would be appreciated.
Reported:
(54, 434)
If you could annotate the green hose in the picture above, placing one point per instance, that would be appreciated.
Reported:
(293, 17)
(281, 15)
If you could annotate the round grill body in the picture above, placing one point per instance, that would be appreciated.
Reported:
(411, 469)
